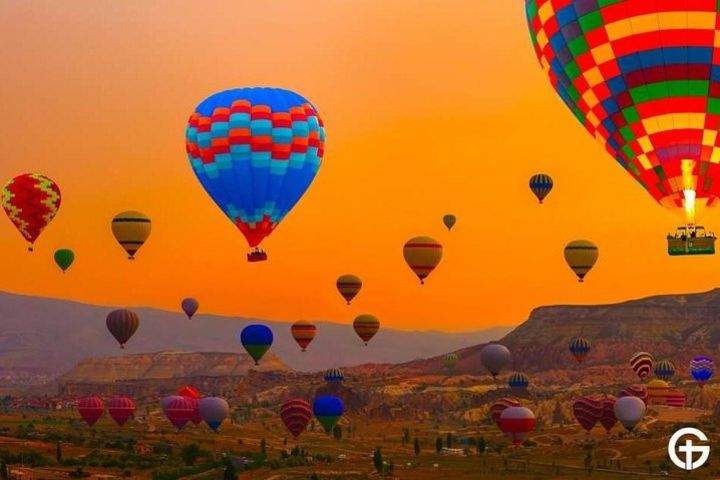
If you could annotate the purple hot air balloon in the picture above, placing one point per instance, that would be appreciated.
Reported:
(190, 306)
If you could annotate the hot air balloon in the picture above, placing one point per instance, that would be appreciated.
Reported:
(64, 258)
(629, 411)
(121, 409)
(131, 229)
(675, 398)
(303, 332)
(517, 423)
(91, 409)
(608, 419)
(166, 401)
(255, 151)
(641, 363)
(190, 307)
(450, 360)
(180, 411)
(348, 286)
(122, 325)
(31, 201)
(701, 369)
(580, 347)
(213, 410)
(334, 375)
(657, 390)
(195, 417)
(328, 410)
(588, 411)
(366, 326)
(581, 256)
(495, 357)
(638, 76)
(257, 340)
(188, 391)
(449, 221)
(541, 185)
(638, 391)
(518, 381)
(422, 254)
(664, 369)
(499, 406)
(296, 415)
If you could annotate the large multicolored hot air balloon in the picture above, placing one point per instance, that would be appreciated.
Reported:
(581, 256)
(641, 363)
(214, 410)
(638, 391)
(675, 398)
(629, 411)
(91, 409)
(422, 254)
(328, 410)
(190, 306)
(608, 419)
(122, 324)
(541, 185)
(517, 423)
(349, 286)
(579, 348)
(131, 230)
(334, 375)
(255, 151)
(303, 333)
(31, 201)
(449, 221)
(366, 326)
(296, 414)
(256, 339)
(701, 369)
(450, 360)
(495, 357)
(518, 382)
(121, 409)
(588, 411)
(64, 258)
(181, 410)
(500, 405)
(641, 78)
(664, 369)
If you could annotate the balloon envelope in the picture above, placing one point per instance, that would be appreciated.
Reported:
(518, 381)
(587, 411)
(348, 286)
(303, 333)
(328, 410)
(121, 409)
(702, 369)
(91, 409)
(541, 185)
(366, 326)
(256, 339)
(64, 258)
(334, 375)
(449, 221)
(641, 363)
(450, 360)
(581, 256)
(180, 411)
(296, 414)
(495, 357)
(579, 348)
(664, 369)
(422, 254)
(517, 423)
(500, 405)
(608, 419)
(190, 306)
(213, 410)
(131, 230)
(629, 411)
(122, 324)
(31, 201)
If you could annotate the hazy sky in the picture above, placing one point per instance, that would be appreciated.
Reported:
(430, 107)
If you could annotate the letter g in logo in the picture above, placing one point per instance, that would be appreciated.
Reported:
(688, 449)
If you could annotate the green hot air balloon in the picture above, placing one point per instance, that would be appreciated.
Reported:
(64, 258)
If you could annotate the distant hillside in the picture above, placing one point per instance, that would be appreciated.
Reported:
(668, 326)
(43, 336)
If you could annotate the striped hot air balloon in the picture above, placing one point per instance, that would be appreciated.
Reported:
(579, 348)
(181, 410)
(131, 230)
(349, 286)
(642, 364)
(366, 326)
(334, 375)
(657, 390)
(31, 201)
(588, 411)
(121, 409)
(664, 369)
(516, 423)
(675, 398)
(541, 185)
(296, 414)
(638, 391)
(91, 409)
(450, 360)
(122, 324)
(303, 332)
(422, 254)
(581, 256)
(701, 369)
(500, 405)
(518, 381)
(608, 419)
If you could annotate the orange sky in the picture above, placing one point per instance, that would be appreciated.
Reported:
(430, 107)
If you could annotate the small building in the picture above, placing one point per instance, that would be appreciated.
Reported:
(452, 452)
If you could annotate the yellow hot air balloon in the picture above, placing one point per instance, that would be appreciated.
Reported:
(422, 255)
(131, 229)
(581, 255)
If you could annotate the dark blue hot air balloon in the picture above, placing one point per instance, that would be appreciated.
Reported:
(328, 410)
(256, 339)
(702, 369)
(541, 185)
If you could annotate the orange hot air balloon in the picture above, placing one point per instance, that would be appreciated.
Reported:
(366, 326)
(422, 255)
(303, 332)
(348, 286)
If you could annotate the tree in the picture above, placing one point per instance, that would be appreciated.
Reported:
(58, 452)
(190, 453)
(4, 473)
(229, 473)
(481, 445)
(337, 432)
(558, 418)
(378, 460)
(406, 435)
(449, 440)
(438, 444)
(263, 448)
(417, 446)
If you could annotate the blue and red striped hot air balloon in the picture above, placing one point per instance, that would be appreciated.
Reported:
(255, 151)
